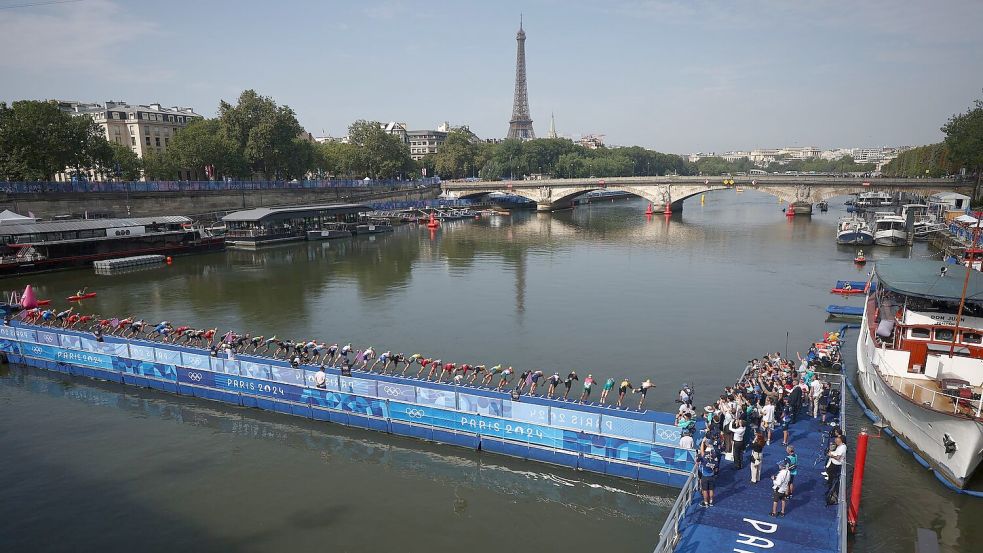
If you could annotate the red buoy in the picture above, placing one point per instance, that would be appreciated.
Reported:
(168, 260)
(858, 481)
(668, 209)
(649, 211)
(433, 222)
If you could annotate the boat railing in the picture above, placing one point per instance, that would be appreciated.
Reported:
(940, 401)
(669, 534)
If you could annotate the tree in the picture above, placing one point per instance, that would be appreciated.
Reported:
(88, 147)
(126, 164)
(159, 167)
(35, 140)
(378, 154)
(266, 135)
(458, 156)
(202, 143)
(964, 139)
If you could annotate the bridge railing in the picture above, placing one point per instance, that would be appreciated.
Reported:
(11, 187)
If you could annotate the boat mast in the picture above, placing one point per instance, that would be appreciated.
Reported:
(962, 299)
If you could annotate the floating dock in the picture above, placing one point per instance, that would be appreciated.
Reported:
(637, 445)
(740, 518)
(123, 263)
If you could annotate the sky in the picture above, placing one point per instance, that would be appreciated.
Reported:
(676, 76)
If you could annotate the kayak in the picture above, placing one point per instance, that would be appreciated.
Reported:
(860, 260)
(44, 302)
(82, 297)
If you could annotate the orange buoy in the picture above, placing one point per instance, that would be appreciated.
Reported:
(668, 209)
(168, 260)
(433, 222)
(649, 211)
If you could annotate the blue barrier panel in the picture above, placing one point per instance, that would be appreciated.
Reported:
(81, 358)
(437, 398)
(8, 332)
(142, 353)
(167, 356)
(512, 430)
(193, 360)
(247, 368)
(71, 342)
(667, 434)
(359, 386)
(286, 375)
(48, 338)
(397, 392)
(8, 346)
(627, 428)
(574, 420)
(539, 414)
(146, 369)
(484, 405)
(27, 335)
(105, 348)
(241, 384)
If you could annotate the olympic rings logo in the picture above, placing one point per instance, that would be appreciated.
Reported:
(414, 413)
(392, 390)
(194, 377)
(37, 349)
(667, 434)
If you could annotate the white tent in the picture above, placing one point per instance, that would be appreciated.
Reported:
(968, 220)
(8, 217)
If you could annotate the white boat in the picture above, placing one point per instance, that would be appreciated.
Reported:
(889, 230)
(920, 364)
(871, 200)
(854, 231)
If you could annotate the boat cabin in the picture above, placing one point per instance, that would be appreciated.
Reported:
(923, 342)
(264, 225)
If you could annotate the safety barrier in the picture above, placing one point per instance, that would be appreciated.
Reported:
(669, 534)
(205, 186)
(635, 445)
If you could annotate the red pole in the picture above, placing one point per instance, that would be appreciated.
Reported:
(858, 480)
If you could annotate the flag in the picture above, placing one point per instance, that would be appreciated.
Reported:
(114, 322)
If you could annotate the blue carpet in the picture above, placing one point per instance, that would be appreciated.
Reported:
(809, 525)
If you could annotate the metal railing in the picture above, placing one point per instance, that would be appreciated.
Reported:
(204, 186)
(669, 535)
(900, 384)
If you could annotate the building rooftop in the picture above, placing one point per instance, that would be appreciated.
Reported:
(261, 213)
(88, 224)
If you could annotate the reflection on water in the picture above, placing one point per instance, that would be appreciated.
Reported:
(599, 289)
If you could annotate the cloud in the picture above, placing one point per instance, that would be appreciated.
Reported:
(86, 37)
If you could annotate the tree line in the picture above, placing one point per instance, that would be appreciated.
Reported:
(962, 148)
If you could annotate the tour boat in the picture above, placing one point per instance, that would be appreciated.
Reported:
(889, 230)
(920, 361)
(30, 246)
(854, 231)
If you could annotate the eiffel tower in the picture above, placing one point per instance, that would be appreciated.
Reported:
(521, 124)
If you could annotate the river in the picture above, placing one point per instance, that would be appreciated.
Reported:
(600, 289)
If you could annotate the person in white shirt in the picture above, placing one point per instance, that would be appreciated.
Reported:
(320, 379)
(816, 391)
(768, 418)
(837, 455)
(779, 483)
(686, 442)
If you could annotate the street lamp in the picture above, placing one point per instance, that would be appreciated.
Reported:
(511, 175)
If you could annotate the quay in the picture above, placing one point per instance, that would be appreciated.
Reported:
(740, 520)
(626, 443)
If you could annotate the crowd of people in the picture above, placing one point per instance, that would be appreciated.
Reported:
(760, 408)
(347, 356)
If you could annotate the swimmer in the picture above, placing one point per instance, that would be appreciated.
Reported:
(486, 381)
(415, 358)
(84, 320)
(71, 321)
(643, 389)
(506, 376)
(209, 335)
(330, 355)
(255, 342)
(568, 383)
(423, 366)
(588, 384)
(62, 316)
(608, 385)
(553, 380)
(345, 351)
(447, 369)
(623, 389)
(523, 380)
(475, 370)
(435, 365)
(367, 355)
(385, 358)
(534, 377)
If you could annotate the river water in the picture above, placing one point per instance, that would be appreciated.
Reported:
(600, 289)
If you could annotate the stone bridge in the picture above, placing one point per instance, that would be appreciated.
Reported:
(552, 194)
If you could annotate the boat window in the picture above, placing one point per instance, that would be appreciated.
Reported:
(919, 333)
(943, 335)
(971, 338)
